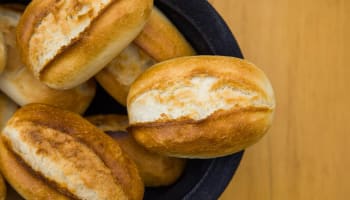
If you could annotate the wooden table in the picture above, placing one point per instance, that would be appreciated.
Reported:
(304, 48)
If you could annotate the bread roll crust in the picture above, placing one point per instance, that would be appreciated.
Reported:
(20, 85)
(36, 118)
(233, 111)
(97, 40)
(209, 138)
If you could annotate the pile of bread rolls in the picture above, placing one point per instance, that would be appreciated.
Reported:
(179, 105)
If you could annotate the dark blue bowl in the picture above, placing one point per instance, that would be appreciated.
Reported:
(203, 179)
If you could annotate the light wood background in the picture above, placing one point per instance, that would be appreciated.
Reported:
(304, 48)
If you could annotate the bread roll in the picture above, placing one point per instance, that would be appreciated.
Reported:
(7, 108)
(200, 107)
(159, 40)
(20, 85)
(65, 43)
(155, 170)
(56, 154)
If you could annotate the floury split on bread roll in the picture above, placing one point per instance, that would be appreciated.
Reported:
(20, 85)
(65, 43)
(200, 107)
(57, 154)
(158, 41)
(155, 170)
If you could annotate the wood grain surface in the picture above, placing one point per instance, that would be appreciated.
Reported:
(304, 48)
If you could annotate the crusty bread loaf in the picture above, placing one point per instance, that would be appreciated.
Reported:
(20, 85)
(158, 41)
(7, 108)
(200, 107)
(64, 43)
(56, 154)
(155, 169)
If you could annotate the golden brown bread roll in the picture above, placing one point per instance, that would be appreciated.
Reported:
(7, 108)
(65, 43)
(200, 107)
(20, 85)
(158, 41)
(57, 154)
(155, 170)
